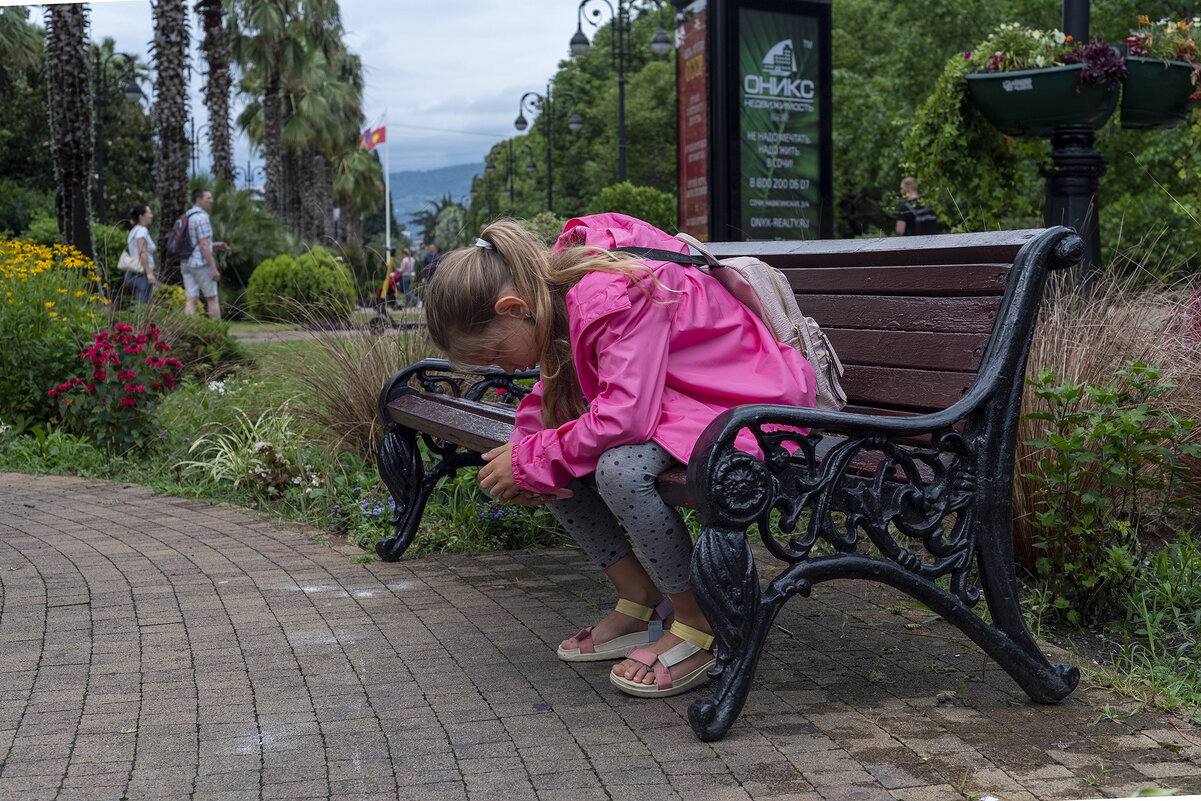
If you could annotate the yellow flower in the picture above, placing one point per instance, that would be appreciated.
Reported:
(62, 291)
(1144, 19)
(49, 304)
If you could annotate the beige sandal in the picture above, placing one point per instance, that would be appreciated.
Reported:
(694, 640)
(590, 651)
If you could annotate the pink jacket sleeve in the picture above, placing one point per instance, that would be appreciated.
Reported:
(529, 415)
(626, 342)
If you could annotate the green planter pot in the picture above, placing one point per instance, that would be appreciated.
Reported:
(1033, 102)
(1156, 94)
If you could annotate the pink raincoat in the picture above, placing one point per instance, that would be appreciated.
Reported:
(652, 368)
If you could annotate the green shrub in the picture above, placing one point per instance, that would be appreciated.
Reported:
(308, 287)
(644, 202)
(43, 230)
(1108, 476)
(19, 204)
(545, 227)
(48, 310)
(202, 344)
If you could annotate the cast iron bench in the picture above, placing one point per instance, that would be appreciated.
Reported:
(934, 334)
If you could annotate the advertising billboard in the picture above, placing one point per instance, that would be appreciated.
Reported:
(780, 132)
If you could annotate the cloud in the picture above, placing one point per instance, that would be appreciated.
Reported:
(450, 74)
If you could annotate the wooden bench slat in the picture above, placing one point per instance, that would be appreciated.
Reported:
(916, 349)
(903, 313)
(892, 387)
(477, 427)
(968, 279)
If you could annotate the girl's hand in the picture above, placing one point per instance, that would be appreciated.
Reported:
(496, 477)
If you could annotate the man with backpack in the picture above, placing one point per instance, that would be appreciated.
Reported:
(191, 239)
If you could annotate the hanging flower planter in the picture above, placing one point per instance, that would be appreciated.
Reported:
(1033, 102)
(1158, 94)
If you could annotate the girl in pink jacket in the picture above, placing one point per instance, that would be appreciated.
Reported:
(636, 359)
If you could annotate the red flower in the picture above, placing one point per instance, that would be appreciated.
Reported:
(128, 402)
(100, 375)
(90, 388)
(123, 328)
(52, 392)
(126, 375)
(133, 389)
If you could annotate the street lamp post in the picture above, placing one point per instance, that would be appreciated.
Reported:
(194, 134)
(530, 167)
(100, 77)
(621, 49)
(249, 173)
(533, 102)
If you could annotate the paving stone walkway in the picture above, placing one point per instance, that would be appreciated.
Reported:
(162, 648)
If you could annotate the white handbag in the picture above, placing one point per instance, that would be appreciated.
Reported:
(129, 264)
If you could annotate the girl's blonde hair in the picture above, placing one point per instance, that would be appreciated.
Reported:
(460, 301)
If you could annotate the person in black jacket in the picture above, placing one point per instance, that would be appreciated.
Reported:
(915, 217)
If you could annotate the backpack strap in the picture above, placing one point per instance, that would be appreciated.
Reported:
(655, 254)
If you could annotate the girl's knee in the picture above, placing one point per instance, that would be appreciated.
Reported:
(622, 471)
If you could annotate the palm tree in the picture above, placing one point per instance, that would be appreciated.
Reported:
(268, 39)
(70, 76)
(359, 189)
(173, 148)
(215, 46)
(20, 42)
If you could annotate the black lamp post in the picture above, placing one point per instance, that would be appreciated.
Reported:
(533, 103)
(194, 134)
(249, 173)
(1074, 182)
(100, 78)
(621, 51)
(530, 167)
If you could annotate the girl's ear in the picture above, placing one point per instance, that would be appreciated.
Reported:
(509, 304)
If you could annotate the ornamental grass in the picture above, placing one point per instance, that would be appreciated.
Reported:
(1087, 339)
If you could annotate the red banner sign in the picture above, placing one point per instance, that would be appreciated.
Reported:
(694, 128)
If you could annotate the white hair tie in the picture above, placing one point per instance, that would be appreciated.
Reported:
(479, 243)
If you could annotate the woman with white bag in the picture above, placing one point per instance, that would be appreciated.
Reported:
(138, 261)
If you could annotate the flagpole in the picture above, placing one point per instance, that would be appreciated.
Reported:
(387, 195)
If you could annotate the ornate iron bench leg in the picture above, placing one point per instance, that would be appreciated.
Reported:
(726, 585)
(1010, 642)
(402, 470)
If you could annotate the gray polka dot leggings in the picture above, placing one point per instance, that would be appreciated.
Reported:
(625, 507)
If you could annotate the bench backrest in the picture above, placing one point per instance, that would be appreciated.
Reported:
(909, 316)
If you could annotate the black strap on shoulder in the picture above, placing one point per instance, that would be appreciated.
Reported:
(655, 254)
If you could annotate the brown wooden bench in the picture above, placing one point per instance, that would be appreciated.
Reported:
(934, 333)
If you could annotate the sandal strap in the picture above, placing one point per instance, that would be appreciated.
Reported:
(700, 639)
(584, 638)
(645, 613)
(677, 653)
(643, 656)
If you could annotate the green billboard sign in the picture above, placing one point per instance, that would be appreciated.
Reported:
(779, 125)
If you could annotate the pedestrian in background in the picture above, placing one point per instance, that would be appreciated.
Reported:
(141, 247)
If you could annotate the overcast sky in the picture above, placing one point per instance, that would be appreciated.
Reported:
(449, 74)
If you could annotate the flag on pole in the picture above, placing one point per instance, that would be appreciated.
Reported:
(375, 134)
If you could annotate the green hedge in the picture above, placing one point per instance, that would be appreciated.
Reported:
(312, 287)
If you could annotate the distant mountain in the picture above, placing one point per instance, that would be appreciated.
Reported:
(412, 189)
